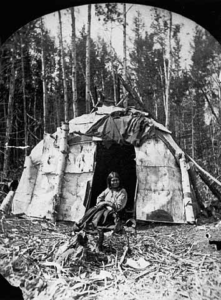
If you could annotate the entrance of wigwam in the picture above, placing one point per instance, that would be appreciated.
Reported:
(116, 158)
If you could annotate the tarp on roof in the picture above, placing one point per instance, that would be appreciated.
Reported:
(120, 125)
(89, 123)
(83, 123)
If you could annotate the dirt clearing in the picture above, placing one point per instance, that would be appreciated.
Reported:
(153, 262)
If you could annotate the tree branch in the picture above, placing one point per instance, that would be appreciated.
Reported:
(133, 93)
(210, 105)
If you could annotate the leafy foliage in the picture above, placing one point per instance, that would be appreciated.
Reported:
(109, 12)
(194, 91)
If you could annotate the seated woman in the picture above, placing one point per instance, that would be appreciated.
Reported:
(112, 200)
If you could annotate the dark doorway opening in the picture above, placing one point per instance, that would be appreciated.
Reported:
(116, 158)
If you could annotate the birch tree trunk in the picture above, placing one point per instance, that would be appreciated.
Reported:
(24, 94)
(63, 71)
(60, 108)
(156, 107)
(167, 74)
(112, 68)
(91, 96)
(114, 83)
(43, 76)
(74, 66)
(9, 118)
(102, 83)
(88, 42)
(125, 49)
(193, 132)
(113, 74)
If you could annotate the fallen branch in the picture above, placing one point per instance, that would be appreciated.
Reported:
(97, 292)
(122, 260)
(123, 256)
(52, 250)
(151, 269)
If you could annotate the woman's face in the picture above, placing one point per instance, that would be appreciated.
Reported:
(115, 183)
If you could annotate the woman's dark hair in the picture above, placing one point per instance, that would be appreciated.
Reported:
(111, 176)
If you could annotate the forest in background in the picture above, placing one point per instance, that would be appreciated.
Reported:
(43, 83)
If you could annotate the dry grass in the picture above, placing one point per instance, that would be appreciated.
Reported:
(180, 263)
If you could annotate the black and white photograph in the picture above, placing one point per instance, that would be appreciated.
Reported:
(110, 151)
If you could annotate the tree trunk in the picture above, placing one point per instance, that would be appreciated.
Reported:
(167, 74)
(114, 84)
(125, 48)
(156, 109)
(9, 118)
(118, 88)
(102, 83)
(114, 79)
(88, 60)
(63, 72)
(112, 69)
(91, 96)
(60, 88)
(34, 113)
(74, 66)
(17, 143)
(1, 52)
(24, 95)
(58, 112)
(193, 132)
(214, 156)
(43, 75)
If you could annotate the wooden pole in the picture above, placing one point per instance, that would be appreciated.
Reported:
(187, 200)
(210, 181)
(63, 151)
(133, 93)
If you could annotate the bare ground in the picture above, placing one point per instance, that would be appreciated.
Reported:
(152, 262)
